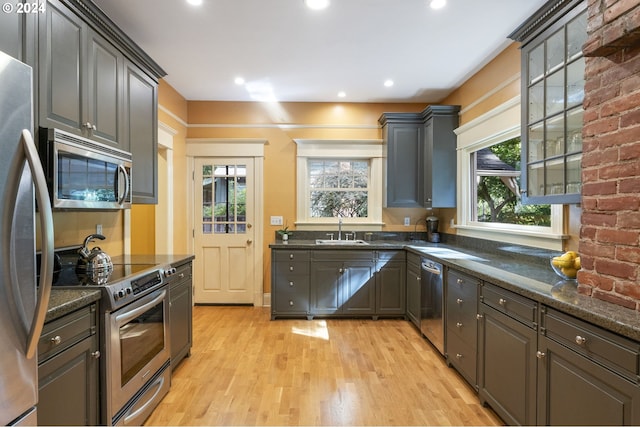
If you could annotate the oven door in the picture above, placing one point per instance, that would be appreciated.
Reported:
(137, 347)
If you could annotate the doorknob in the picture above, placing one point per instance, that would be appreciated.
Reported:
(249, 225)
(249, 241)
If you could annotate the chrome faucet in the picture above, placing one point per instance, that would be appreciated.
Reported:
(339, 227)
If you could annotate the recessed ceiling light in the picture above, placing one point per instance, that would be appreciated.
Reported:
(317, 4)
(438, 4)
(239, 81)
(388, 83)
(341, 94)
(194, 2)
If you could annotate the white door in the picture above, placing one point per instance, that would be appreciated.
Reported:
(224, 264)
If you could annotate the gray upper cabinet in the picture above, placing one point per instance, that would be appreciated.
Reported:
(97, 83)
(80, 78)
(440, 164)
(552, 94)
(141, 123)
(17, 30)
(421, 157)
(402, 133)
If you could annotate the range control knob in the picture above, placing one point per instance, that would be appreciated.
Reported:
(129, 290)
(121, 294)
(169, 272)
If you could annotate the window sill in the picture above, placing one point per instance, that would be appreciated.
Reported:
(349, 226)
(515, 235)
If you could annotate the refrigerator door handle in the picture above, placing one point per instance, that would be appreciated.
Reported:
(46, 228)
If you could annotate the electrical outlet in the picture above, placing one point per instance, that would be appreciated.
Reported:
(452, 223)
(98, 228)
(276, 220)
(407, 221)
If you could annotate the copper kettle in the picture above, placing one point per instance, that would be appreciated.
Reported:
(94, 260)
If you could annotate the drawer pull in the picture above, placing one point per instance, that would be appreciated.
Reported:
(291, 268)
(580, 340)
(56, 340)
(459, 301)
(502, 302)
(96, 354)
(540, 354)
(290, 256)
(478, 316)
(460, 281)
(290, 303)
(459, 324)
(458, 356)
(291, 284)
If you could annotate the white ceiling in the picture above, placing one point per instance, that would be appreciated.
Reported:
(287, 52)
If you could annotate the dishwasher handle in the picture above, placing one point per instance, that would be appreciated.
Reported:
(431, 268)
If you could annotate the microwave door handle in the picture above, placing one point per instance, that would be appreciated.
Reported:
(46, 229)
(127, 184)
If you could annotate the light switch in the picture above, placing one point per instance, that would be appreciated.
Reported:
(276, 220)
(407, 221)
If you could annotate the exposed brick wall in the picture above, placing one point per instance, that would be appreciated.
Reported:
(610, 232)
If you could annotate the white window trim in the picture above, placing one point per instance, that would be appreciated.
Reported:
(366, 149)
(500, 124)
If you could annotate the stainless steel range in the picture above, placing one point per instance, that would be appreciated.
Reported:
(134, 334)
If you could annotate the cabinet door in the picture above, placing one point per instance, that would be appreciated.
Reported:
(413, 293)
(404, 163)
(391, 288)
(104, 80)
(60, 68)
(358, 287)
(68, 386)
(325, 289)
(180, 326)
(141, 122)
(507, 377)
(572, 390)
(439, 182)
(17, 30)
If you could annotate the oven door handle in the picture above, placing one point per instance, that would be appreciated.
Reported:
(128, 316)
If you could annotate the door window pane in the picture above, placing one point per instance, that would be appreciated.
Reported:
(224, 195)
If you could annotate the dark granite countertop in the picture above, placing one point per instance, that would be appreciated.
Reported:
(525, 271)
(65, 301)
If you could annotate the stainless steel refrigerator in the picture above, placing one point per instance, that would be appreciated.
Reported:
(23, 303)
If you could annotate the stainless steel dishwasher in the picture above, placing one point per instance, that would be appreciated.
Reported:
(432, 303)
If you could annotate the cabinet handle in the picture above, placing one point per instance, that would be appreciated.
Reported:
(290, 256)
(459, 281)
(478, 316)
(290, 303)
(96, 354)
(459, 301)
(56, 340)
(580, 340)
(502, 302)
(459, 324)
(458, 356)
(291, 268)
(540, 354)
(291, 284)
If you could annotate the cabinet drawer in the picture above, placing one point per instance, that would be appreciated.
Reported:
(617, 353)
(66, 331)
(392, 256)
(462, 284)
(514, 305)
(287, 268)
(463, 324)
(292, 255)
(463, 356)
(181, 276)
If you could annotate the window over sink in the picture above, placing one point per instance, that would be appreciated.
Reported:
(339, 178)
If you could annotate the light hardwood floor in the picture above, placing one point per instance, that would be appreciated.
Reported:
(245, 369)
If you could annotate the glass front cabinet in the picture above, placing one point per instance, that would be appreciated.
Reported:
(552, 94)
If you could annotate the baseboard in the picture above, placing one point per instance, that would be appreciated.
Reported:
(266, 300)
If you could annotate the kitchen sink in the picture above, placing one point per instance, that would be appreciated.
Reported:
(340, 242)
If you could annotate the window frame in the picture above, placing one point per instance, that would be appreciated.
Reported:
(498, 125)
(365, 149)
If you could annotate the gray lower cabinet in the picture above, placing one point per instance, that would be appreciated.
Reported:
(462, 324)
(390, 283)
(586, 375)
(507, 347)
(342, 283)
(180, 313)
(68, 370)
(414, 291)
(289, 283)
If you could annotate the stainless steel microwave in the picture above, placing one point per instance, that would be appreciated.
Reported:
(84, 174)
